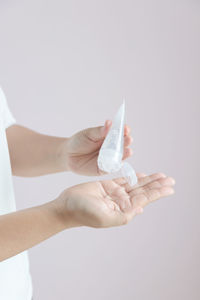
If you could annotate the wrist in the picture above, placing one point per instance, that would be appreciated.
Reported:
(62, 155)
(63, 216)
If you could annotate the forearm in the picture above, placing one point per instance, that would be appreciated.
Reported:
(34, 154)
(23, 229)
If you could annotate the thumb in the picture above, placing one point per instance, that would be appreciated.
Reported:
(98, 133)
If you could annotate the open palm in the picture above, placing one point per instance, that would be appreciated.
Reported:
(114, 202)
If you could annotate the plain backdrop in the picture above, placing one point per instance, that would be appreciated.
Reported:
(65, 66)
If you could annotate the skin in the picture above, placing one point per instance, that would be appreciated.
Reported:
(113, 202)
(96, 204)
(34, 154)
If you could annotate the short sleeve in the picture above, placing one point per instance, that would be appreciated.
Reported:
(7, 116)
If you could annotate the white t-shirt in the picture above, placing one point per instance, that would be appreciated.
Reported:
(15, 279)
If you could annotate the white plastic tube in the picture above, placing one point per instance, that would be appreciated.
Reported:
(111, 152)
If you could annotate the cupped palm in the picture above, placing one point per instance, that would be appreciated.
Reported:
(114, 202)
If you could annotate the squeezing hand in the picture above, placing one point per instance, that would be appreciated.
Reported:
(81, 150)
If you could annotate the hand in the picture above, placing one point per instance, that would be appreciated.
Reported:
(111, 202)
(82, 149)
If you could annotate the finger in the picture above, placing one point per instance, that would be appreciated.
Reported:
(129, 187)
(127, 130)
(123, 182)
(150, 195)
(157, 184)
(120, 181)
(141, 175)
(167, 181)
(106, 127)
(96, 134)
(128, 140)
(145, 180)
(127, 153)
